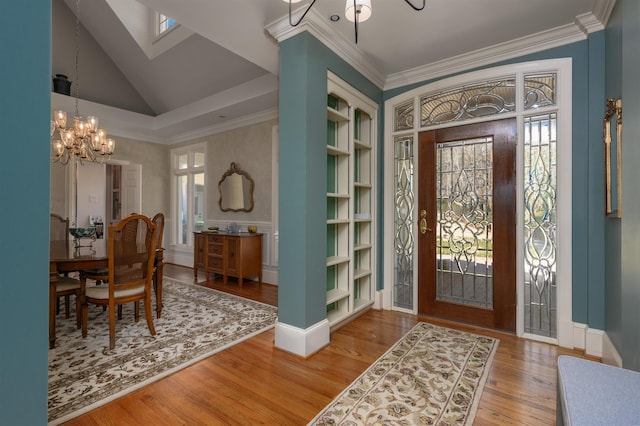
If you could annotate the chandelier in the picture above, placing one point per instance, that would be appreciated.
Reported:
(81, 138)
(355, 11)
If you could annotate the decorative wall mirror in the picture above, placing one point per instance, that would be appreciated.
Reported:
(613, 146)
(236, 190)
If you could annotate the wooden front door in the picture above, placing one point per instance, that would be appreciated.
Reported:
(467, 224)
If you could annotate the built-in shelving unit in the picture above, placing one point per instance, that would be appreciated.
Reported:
(350, 201)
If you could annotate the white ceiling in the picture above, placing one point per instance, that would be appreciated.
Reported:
(222, 68)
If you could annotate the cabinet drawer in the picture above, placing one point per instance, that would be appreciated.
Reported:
(216, 249)
(215, 264)
(215, 239)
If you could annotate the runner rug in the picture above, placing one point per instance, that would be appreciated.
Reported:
(196, 322)
(432, 376)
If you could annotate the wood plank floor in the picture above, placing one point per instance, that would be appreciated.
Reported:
(254, 383)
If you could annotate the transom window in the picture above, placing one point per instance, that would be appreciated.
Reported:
(165, 24)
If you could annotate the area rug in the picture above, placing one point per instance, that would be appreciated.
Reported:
(432, 376)
(196, 322)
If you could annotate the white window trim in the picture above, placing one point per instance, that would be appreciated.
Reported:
(175, 172)
(563, 68)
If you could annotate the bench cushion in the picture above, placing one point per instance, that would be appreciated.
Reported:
(591, 393)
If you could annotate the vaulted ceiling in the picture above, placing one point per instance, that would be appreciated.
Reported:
(220, 66)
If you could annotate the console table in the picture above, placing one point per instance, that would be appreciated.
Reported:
(230, 255)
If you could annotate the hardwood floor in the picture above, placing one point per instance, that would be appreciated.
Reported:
(254, 383)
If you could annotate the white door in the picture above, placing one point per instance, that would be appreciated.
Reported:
(131, 189)
(90, 193)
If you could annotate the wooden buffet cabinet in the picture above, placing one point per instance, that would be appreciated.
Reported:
(229, 255)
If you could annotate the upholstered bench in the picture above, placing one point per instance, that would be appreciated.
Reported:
(591, 393)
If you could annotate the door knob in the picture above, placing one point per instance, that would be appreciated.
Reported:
(423, 222)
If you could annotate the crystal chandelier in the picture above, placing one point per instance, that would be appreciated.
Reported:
(355, 11)
(80, 139)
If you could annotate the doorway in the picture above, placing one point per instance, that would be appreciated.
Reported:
(467, 223)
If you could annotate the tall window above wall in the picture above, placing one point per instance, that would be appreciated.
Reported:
(188, 188)
(164, 24)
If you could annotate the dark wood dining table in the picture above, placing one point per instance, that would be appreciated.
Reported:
(67, 258)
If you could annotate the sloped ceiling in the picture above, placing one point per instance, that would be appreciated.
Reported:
(220, 67)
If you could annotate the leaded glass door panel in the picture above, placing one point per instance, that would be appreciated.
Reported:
(467, 223)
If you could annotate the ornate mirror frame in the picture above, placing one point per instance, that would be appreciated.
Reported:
(613, 196)
(226, 200)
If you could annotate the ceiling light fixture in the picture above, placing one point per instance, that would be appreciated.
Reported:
(82, 139)
(355, 11)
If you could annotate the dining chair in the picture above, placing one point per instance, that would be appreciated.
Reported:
(100, 275)
(131, 253)
(65, 286)
(158, 220)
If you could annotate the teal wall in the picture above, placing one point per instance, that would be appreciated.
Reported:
(304, 63)
(622, 236)
(25, 31)
(613, 257)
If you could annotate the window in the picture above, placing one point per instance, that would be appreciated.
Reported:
(188, 200)
(165, 23)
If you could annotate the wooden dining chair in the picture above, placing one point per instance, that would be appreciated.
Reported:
(65, 286)
(158, 220)
(100, 275)
(131, 251)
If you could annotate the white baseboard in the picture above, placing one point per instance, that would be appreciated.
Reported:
(591, 340)
(178, 258)
(579, 336)
(378, 299)
(610, 354)
(594, 342)
(303, 342)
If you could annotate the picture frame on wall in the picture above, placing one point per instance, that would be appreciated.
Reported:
(613, 149)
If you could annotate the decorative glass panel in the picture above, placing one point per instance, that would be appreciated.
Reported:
(540, 291)
(403, 222)
(539, 90)
(403, 116)
(464, 205)
(466, 102)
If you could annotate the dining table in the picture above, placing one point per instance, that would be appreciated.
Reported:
(67, 258)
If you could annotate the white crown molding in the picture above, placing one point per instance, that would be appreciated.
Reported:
(247, 120)
(316, 24)
(116, 121)
(560, 36)
(602, 11)
(133, 125)
(545, 40)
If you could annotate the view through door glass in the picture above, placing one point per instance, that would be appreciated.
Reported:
(467, 224)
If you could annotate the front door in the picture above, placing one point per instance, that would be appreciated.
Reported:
(467, 224)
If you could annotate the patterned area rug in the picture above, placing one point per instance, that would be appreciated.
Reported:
(432, 376)
(196, 322)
